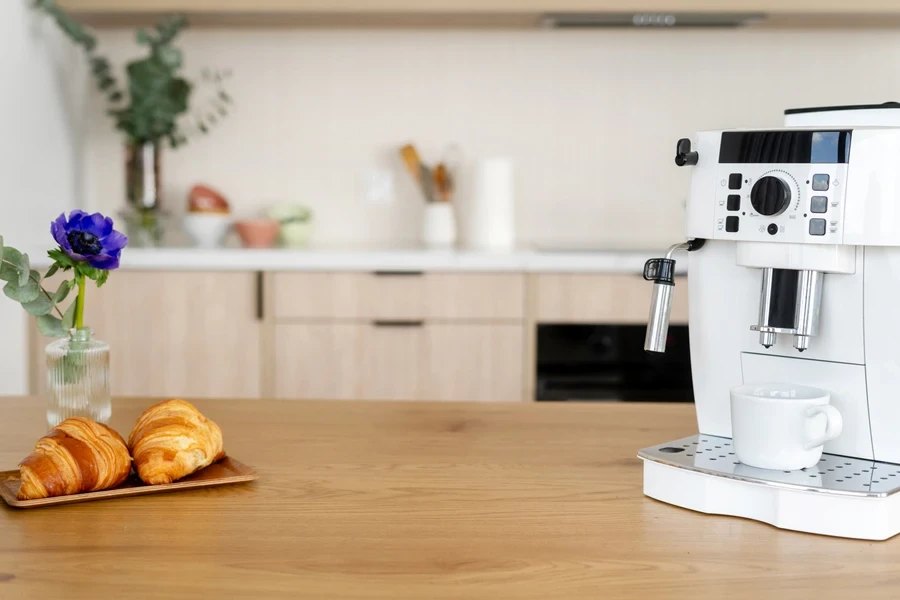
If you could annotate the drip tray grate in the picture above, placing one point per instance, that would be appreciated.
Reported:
(835, 474)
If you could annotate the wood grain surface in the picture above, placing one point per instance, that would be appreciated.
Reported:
(429, 501)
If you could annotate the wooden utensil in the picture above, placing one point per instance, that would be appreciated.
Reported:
(419, 172)
(412, 161)
(443, 182)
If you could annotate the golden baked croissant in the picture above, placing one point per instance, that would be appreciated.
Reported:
(171, 440)
(78, 455)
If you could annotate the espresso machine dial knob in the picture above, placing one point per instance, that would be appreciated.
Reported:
(770, 196)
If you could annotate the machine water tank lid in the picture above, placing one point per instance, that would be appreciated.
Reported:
(819, 109)
(852, 115)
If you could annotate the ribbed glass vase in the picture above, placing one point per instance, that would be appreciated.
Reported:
(78, 378)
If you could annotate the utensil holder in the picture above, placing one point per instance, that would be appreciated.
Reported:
(439, 225)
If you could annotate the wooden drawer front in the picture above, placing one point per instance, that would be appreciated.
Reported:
(474, 362)
(566, 298)
(347, 361)
(399, 296)
(348, 296)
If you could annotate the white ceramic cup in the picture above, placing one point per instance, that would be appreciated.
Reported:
(782, 426)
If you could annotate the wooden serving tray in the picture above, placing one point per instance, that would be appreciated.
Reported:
(224, 472)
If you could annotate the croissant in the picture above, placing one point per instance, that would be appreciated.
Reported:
(171, 440)
(78, 455)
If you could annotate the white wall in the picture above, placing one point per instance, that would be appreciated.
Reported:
(40, 117)
(590, 117)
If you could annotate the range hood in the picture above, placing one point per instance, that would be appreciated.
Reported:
(649, 20)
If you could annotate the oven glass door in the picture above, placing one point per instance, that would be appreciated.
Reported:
(608, 363)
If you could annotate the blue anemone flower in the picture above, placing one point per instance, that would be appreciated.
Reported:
(89, 238)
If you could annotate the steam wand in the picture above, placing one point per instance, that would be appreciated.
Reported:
(661, 271)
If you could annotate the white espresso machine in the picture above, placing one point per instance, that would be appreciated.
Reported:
(794, 277)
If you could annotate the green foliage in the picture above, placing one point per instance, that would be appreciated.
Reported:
(63, 290)
(40, 306)
(157, 95)
(61, 260)
(22, 293)
(23, 284)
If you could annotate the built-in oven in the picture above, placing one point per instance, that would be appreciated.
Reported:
(608, 363)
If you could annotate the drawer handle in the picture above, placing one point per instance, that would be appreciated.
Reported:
(260, 299)
(398, 273)
(398, 323)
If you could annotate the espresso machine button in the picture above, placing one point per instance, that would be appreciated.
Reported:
(820, 182)
(732, 224)
(770, 196)
(772, 228)
(817, 227)
(818, 204)
(734, 181)
(734, 202)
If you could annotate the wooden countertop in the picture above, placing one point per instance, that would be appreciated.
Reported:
(419, 500)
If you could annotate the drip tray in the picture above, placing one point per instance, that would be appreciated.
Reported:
(833, 474)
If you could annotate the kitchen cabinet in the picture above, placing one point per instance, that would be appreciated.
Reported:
(399, 361)
(347, 361)
(601, 298)
(474, 362)
(522, 13)
(399, 335)
(409, 295)
(187, 334)
(441, 335)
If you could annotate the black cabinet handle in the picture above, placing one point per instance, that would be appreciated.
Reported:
(260, 299)
(387, 323)
(398, 273)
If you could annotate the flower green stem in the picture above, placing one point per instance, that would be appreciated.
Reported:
(79, 302)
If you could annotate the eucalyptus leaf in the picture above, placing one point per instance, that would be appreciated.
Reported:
(39, 306)
(25, 273)
(171, 57)
(63, 290)
(68, 321)
(22, 294)
(51, 326)
(10, 268)
(8, 272)
(1, 246)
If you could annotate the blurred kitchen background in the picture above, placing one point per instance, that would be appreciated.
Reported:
(586, 117)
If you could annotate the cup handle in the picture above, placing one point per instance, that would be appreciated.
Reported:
(833, 428)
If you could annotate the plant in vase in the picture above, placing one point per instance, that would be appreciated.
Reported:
(77, 365)
(151, 110)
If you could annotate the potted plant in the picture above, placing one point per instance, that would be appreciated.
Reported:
(152, 108)
(88, 247)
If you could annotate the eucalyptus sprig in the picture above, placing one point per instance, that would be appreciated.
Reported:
(25, 286)
(157, 96)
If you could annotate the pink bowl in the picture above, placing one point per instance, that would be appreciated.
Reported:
(257, 233)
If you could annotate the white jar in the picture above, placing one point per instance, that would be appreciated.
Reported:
(439, 225)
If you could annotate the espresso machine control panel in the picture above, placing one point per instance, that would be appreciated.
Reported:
(781, 186)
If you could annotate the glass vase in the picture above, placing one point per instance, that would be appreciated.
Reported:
(142, 176)
(78, 378)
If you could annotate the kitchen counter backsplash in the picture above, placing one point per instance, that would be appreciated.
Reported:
(589, 119)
